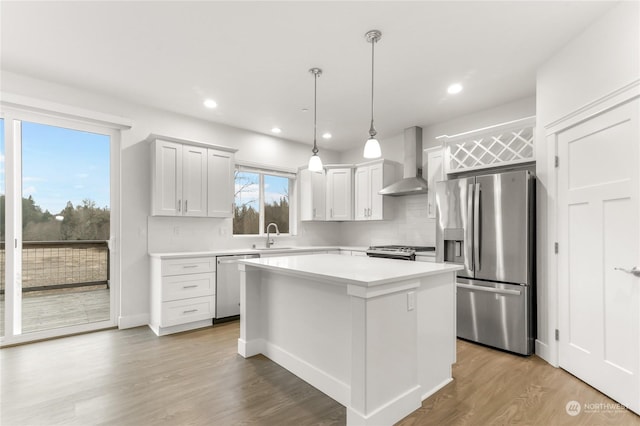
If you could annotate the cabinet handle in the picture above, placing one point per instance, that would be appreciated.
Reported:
(331, 212)
(365, 212)
(189, 311)
(190, 286)
(179, 205)
(189, 266)
(186, 206)
(314, 213)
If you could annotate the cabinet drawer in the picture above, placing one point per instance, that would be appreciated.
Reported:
(185, 286)
(193, 265)
(188, 310)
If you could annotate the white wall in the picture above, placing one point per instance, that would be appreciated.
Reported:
(139, 232)
(601, 60)
(409, 224)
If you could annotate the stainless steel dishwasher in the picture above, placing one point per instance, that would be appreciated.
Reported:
(228, 285)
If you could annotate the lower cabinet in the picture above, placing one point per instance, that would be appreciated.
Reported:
(182, 294)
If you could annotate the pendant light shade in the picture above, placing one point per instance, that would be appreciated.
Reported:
(315, 163)
(372, 146)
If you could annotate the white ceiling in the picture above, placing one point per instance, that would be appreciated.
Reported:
(253, 57)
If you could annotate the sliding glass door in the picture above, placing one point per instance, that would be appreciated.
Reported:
(65, 227)
(60, 223)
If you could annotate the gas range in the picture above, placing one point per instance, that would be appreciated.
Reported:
(397, 251)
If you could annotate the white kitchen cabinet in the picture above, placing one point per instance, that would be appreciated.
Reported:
(179, 179)
(435, 173)
(194, 181)
(166, 165)
(182, 294)
(191, 178)
(369, 179)
(339, 204)
(221, 167)
(312, 195)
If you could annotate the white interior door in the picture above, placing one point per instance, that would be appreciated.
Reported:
(599, 232)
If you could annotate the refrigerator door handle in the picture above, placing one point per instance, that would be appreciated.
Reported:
(489, 289)
(476, 227)
(469, 230)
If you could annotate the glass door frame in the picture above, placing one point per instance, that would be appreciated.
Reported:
(13, 118)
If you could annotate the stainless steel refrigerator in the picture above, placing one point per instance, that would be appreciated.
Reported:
(487, 224)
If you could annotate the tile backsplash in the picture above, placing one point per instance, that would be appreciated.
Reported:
(408, 225)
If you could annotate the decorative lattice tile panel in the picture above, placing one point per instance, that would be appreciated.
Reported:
(502, 145)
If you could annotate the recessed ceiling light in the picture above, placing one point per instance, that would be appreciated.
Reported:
(210, 103)
(276, 130)
(454, 88)
(326, 135)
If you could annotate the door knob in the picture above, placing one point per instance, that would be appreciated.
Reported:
(633, 271)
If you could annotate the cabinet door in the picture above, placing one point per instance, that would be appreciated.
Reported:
(194, 181)
(435, 173)
(167, 179)
(339, 182)
(376, 200)
(221, 166)
(362, 192)
(318, 195)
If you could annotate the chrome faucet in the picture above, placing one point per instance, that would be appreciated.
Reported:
(269, 239)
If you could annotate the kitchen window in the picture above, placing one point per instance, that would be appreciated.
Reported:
(262, 196)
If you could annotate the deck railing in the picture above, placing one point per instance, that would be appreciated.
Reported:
(49, 265)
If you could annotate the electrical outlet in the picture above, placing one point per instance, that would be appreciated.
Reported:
(411, 301)
(176, 230)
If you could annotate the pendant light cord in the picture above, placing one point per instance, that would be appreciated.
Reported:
(315, 111)
(372, 130)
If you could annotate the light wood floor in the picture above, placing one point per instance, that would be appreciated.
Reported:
(132, 377)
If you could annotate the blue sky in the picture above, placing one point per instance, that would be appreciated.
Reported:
(60, 165)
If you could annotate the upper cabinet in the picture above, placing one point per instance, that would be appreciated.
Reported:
(435, 173)
(369, 179)
(194, 181)
(220, 166)
(166, 165)
(346, 192)
(339, 204)
(191, 178)
(312, 195)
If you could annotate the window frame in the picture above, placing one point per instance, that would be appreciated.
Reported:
(261, 171)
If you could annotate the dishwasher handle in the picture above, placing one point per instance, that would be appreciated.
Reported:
(232, 259)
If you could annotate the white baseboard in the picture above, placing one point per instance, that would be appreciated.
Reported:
(131, 321)
(250, 348)
(389, 413)
(319, 379)
(544, 351)
(436, 388)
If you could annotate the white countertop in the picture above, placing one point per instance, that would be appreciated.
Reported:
(362, 271)
(274, 250)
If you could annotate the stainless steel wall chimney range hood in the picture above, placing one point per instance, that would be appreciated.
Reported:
(412, 183)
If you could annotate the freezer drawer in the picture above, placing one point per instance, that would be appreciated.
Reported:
(495, 314)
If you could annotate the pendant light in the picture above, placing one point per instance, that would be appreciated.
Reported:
(315, 163)
(372, 146)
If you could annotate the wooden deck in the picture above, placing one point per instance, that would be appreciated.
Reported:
(44, 310)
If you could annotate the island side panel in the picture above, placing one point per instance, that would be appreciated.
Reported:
(305, 327)
(384, 371)
(251, 341)
(436, 331)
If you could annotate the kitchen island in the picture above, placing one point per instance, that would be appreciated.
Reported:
(376, 335)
